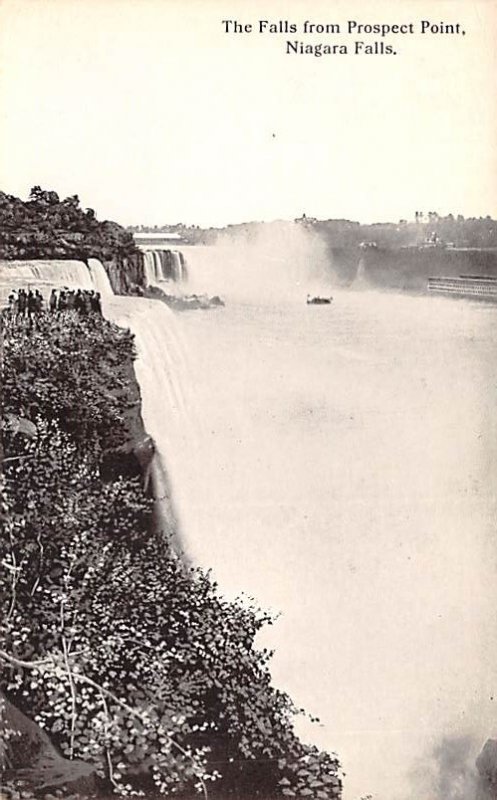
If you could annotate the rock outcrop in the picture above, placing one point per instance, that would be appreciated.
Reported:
(486, 764)
(29, 755)
(126, 274)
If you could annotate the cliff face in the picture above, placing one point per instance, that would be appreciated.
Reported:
(126, 273)
(134, 457)
(486, 765)
(46, 227)
(407, 269)
(79, 456)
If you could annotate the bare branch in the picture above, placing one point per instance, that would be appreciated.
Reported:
(78, 676)
(107, 751)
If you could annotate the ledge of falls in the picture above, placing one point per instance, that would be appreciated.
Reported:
(155, 400)
(164, 265)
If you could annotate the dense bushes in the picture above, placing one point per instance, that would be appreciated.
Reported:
(72, 369)
(129, 660)
(46, 227)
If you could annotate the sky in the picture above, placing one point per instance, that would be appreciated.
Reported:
(153, 114)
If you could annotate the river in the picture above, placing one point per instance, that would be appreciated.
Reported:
(338, 464)
(342, 472)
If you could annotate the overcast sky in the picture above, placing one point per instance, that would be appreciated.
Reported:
(152, 114)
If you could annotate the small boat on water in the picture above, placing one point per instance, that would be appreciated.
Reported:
(318, 301)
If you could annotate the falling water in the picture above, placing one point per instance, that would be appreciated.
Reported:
(345, 474)
(342, 471)
(162, 266)
(168, 405)
(43, 275)
(161, 366)
(99, 278)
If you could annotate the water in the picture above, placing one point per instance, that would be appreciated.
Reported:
(100, 279)
(338, 464)
(168, 407)
(344, 475)
(160, 365)
(43, 275)
(163, 266)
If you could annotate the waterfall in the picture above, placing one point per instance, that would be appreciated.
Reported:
(148, 266)
(43, 275)
(164, 265)
(100, 278)
(264, 269)
(161, 365)
(177, 266)
(168, 407)
(361, 280)
(162, 373)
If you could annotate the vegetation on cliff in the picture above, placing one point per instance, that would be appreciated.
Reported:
(47, 227)
(472, 232)
(132, 663)
(457, 231)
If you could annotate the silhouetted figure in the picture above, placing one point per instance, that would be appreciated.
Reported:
(22, 301)
(13, 304)
(85, 305)
(78, 301)
(96, 304)
(31, 304)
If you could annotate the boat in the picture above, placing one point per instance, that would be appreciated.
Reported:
(318, 301)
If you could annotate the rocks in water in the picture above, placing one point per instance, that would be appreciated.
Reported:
(184, 302)
(201, 301)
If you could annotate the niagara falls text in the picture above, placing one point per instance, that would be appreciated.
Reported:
(362, 45)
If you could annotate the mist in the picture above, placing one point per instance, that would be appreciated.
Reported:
(457, 768)
(281, 261)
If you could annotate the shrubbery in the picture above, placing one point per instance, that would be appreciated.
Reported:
(127, 658)
(72, 369)
(46, 227)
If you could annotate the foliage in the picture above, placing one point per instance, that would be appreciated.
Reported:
(46, 227)
(128, 659)
(69, 368)
(474, 232)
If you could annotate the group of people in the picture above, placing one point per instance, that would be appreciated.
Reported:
(25, 303)
(30, 303)
(83, 300)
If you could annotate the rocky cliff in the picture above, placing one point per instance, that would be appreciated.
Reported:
(126, 273)
(406, 269)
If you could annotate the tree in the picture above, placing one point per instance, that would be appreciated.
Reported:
(43, 196)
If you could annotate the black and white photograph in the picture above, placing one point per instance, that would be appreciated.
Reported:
(248, 317)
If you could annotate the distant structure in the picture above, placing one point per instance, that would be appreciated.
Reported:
(305, 220)
(152, 238)
(433, 240)
(478, 286)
